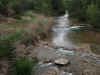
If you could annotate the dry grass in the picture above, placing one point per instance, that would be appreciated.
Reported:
(30, 22)
(4, 67)
(40, 22)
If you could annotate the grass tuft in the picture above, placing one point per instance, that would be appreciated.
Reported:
(6, 44)
(23, 66)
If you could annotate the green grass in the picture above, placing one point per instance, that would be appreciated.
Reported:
(31, 16)
(6, 44)
(19, 23)
(23, 66)
(17, 16)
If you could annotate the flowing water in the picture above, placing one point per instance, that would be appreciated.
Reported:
(66, 34)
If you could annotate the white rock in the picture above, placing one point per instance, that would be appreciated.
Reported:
(61, 61)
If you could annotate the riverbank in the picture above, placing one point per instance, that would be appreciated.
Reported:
(18, 38)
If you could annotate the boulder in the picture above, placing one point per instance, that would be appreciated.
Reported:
(61, 62)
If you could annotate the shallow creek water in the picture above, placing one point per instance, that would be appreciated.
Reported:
(66, 34)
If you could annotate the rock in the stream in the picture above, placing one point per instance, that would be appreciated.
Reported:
(57, 47)
(51, 73)
(86, 60)
(48, 47)
(45, 43)
(61, 62)
(45, 60)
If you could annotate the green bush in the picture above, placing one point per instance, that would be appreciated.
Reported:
(1, 5)
(6, 44)
(93, 14)
(29, 4)
(46, 10)
(17, 6)
(23, 66)
(26, 41)
(13, 5)
(17, 16)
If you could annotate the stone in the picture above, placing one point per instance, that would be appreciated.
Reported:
(45, 60)
(57, 47)
(90, 73)
(48, 47)
(52, 45)
(61, 62)
(86, 71)
(86, 60)
(52, 73)
(45, 43)
(77, 48)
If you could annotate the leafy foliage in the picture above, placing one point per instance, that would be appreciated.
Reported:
(93, 13)
(85, 11)
(46, 7)
(17, 16)
(46, 10)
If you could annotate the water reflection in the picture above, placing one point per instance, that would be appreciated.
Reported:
(59, 37)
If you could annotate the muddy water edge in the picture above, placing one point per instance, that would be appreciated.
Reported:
(78, 44)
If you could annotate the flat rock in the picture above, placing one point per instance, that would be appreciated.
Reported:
(45, 60)
(61, 62)
(86, 71)
(86, 60)
(45, 43)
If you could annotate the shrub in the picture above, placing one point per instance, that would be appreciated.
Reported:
(13, 5)
(16, 6)
(17, 16)
(94, 14)
(23, 66)
(46, 10)
(6, 44)
(29, 4)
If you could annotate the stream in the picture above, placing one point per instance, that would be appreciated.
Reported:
(69, 36)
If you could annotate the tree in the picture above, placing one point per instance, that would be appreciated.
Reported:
(94, 14)
(46, 10)
(56, 4)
